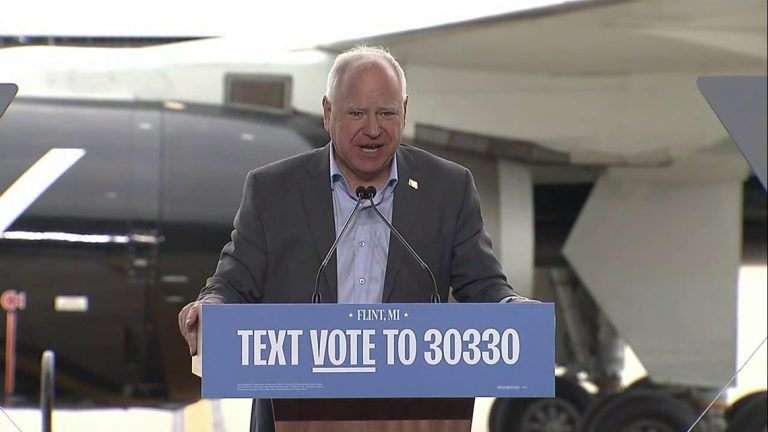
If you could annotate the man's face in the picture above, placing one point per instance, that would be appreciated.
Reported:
(366, 122)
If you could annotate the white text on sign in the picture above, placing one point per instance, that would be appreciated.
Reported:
(353, 350)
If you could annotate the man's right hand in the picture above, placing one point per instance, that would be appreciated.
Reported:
(188, 322)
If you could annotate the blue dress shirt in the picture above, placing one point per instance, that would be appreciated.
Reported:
(361, 256)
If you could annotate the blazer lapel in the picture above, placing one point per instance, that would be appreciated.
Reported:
(318, 208)
(404, 213)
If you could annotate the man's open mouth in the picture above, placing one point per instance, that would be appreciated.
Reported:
(371, 148)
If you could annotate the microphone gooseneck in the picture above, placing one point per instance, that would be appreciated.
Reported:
(362, 194)
(370, 192)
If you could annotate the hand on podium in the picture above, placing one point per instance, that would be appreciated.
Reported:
(188, 321)
(520, 300)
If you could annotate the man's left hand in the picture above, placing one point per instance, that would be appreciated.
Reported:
(520, 300)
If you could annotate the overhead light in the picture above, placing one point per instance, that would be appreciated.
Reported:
(70, 303)
(36, 180)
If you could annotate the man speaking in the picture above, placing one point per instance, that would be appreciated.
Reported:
(294, 211)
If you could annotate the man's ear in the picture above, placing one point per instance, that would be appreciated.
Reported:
(405, 109)
(326, 113)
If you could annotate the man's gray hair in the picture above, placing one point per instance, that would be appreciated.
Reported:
(361, 54)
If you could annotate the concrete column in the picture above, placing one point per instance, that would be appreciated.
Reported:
(516, 248)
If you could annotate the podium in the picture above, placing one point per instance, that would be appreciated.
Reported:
(373, 415)
(377, 368)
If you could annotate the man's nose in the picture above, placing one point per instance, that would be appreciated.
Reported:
(372, 127)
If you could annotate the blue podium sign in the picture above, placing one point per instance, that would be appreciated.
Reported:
(380, 350)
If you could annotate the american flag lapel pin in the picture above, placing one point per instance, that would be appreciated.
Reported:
(413, 183)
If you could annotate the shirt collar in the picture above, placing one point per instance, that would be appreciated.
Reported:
(337, 176)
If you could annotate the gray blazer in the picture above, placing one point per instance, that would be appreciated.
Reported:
(285, 227)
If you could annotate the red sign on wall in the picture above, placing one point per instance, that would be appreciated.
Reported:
(12, 300)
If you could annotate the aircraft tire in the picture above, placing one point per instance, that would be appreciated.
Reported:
(634, 410)
(736, 407)
(525, 415)
(751, 415)
(643, 383)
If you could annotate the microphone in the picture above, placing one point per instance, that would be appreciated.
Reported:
(370, 192)
(362, 194)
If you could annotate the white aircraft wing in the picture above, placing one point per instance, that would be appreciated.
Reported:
(604, 81)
